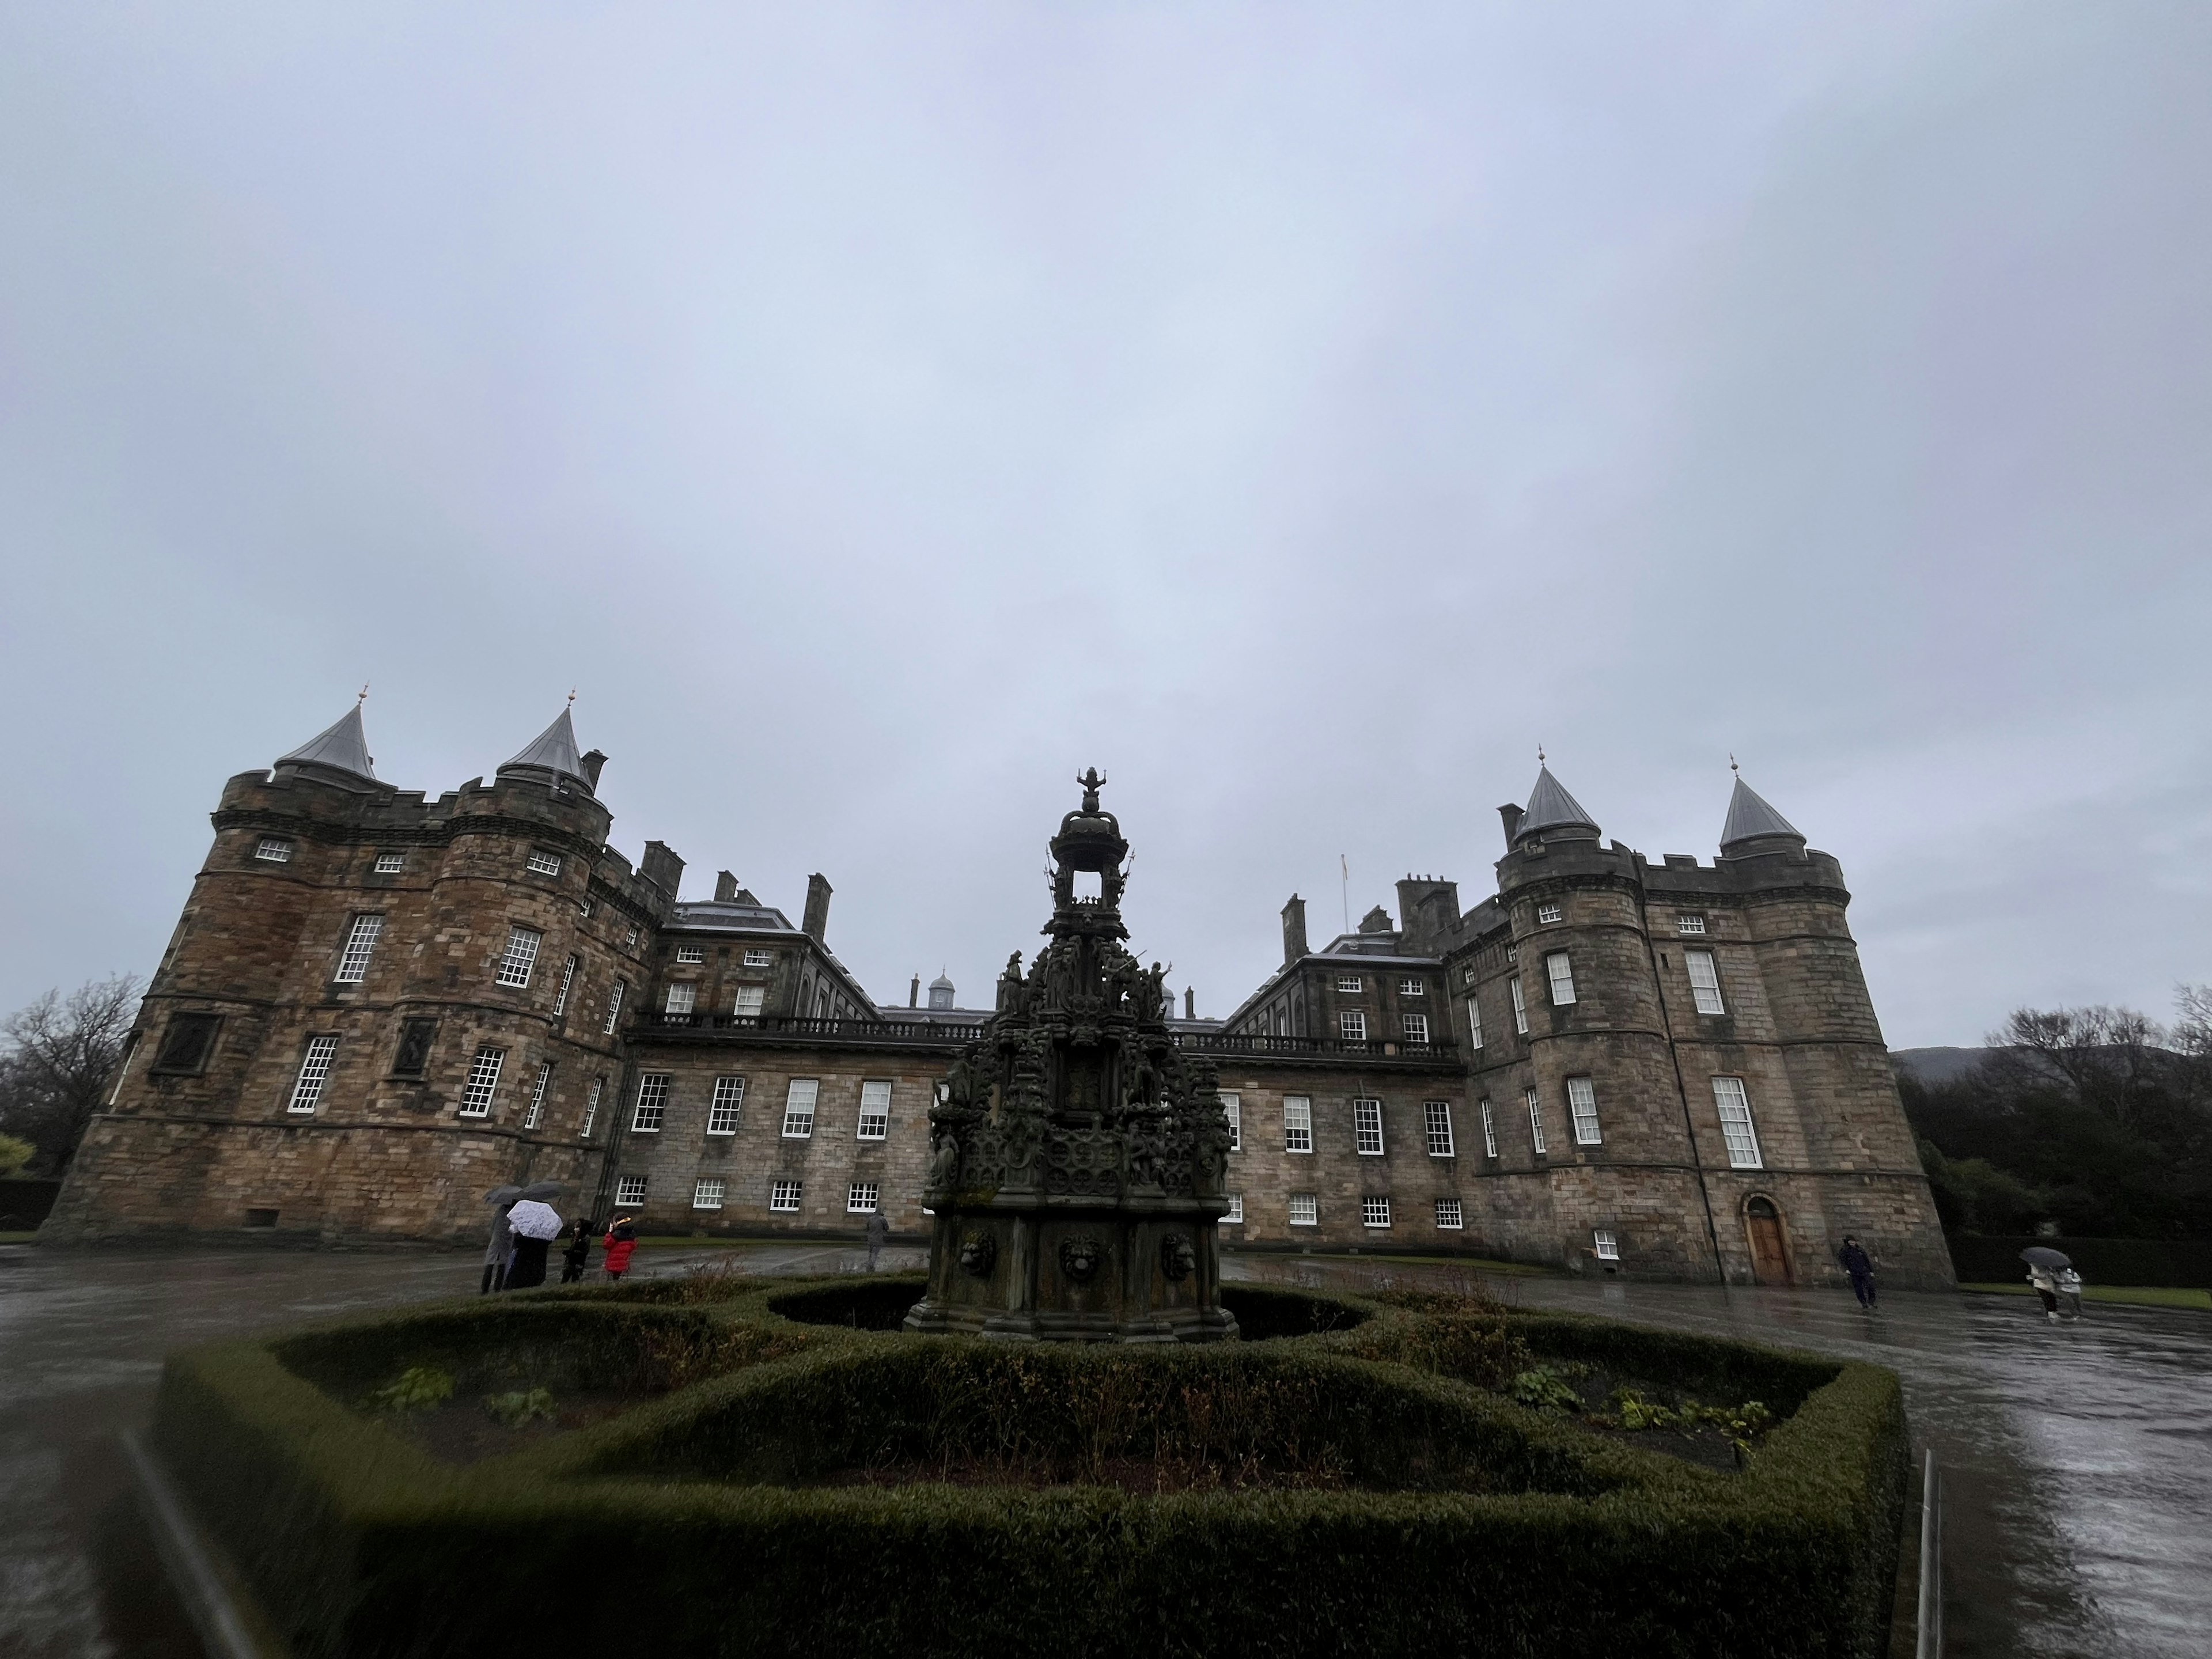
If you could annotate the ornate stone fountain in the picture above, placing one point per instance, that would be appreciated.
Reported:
(1076, 1153)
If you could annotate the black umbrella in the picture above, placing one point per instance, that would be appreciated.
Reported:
(538, 1189)
(2041, 1255)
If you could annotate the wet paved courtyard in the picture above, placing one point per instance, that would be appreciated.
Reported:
(2078, 1460)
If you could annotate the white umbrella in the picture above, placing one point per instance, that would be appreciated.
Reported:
(531, 1219)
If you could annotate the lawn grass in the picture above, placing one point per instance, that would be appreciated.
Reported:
(2132, 1296)
(18, 1238)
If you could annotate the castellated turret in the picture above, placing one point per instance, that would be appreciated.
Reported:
(1691, 1081)
(355, 959)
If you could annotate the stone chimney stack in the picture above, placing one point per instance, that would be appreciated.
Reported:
(914, 993)
(591, 762)
(1294, 930)
(662, 867)
(725, 887)
(816, 926)
(1189, 1002)
(1511, 815)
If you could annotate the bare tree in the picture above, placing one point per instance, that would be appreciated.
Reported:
(61, 1053)
(2107, 1058)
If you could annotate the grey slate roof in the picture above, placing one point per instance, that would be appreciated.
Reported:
(1750, 817)
(1551, 807)
(554, 751)
(343, 747)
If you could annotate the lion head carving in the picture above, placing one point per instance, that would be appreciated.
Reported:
(1081, 1258)
(979, 1254)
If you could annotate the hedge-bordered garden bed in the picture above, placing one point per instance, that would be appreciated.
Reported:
(767, 1469)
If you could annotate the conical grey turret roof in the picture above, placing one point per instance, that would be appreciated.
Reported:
(554, 752)
(1551, 808)
(343, 747)
(1750, 819)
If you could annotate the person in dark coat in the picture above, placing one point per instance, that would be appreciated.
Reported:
(497, 1251)
(528, 1269)
(578, 1255)
(879, 1230)
(1860, 1267)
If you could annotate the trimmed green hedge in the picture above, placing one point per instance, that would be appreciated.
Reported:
(1411, 1512)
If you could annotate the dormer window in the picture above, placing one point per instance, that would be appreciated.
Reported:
(691, 953)
(543, 863)
(1546, 915)
(273, 849)
(1689, 924)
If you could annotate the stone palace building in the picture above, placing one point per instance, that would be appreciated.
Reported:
(377, 1005)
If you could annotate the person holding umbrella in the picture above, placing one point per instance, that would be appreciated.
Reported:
(535, 1226)
(2051, 1273)
(501, 1245)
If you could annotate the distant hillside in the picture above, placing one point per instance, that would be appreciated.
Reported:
(1930, 1066)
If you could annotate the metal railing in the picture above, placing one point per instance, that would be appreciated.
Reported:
(819, 1030)
(1930, 1644)
(789, 1028)
(1311, 1047)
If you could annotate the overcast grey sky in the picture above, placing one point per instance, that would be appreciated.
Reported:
(880, 413)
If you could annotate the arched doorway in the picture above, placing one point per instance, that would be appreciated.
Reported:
(1770, 1259)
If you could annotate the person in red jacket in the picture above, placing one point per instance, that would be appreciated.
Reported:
(620, 1240)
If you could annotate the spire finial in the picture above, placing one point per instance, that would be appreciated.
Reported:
(571, 696)
(1539, 754)
(1733, 767)
(363, 697)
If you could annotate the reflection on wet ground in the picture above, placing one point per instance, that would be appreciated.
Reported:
(83, 1333)
(2078, 1460)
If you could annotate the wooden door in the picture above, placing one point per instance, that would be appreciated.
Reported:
(1770, 1264)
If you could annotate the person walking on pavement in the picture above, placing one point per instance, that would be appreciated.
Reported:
(879, 1230)
(1860, 1267)
(498, 1251)
(576, 1255)
(620, 1240)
